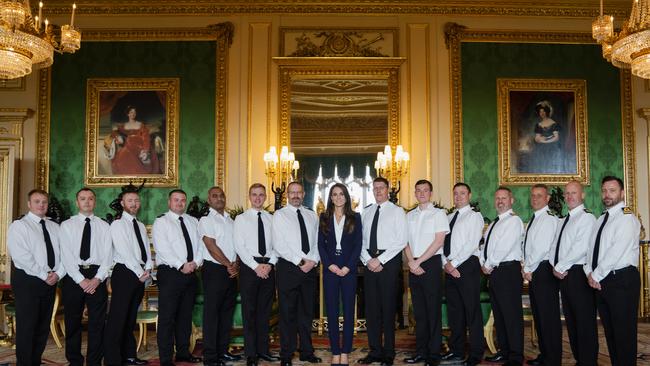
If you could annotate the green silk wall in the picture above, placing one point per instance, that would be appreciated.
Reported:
(483, 63)
(192, 62)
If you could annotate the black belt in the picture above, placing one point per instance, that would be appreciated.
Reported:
(508, 263)
(622, 270)
(262, 260)
(376, 254)
(88, 266)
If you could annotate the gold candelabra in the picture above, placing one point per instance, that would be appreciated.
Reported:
(392, 167)
(280, 171)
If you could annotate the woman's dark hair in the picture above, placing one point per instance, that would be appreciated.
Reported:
(328, 215)
(128, 109)
(545, 107)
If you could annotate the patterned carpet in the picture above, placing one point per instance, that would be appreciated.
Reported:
(405, 343)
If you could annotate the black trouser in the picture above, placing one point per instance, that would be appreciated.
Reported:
(296, 292)
(380, 290)
(463, 296)
(505, 295)
(34, 300)
(175, 304)
(544, 292)
(219, 299)
(74, 300)
(426, 295)
(579, 308)
(618, 304)
(126, 294)
(256, 301)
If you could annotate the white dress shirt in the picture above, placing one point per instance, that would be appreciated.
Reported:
(27, 249)
(245, 237)
(126, 249)
(505, 240)
(338, 231)
(286, 234)
(218, 227)
(619, 242)
(540, 239)
(465, 236)
(392, 231)
(101, 246)
(575, 239)
(169, 242)
(423, 225)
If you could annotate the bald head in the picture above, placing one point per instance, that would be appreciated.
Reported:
(574, 196)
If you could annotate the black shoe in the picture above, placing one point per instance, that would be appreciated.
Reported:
(414, 359)
(311, 359)
(498, 357)
(535, 361)
(229, 357)
(450, 357)
(387, 362)
(268, 357)
(285, 362)
(369, 359)
(251, 361)
(135, 361)
(190, 359)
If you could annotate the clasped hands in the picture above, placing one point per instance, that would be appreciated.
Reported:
(415, 268)
(52, 278)
(374, 265)
(188, 267)
(262, 270)
(451, 270)
(341, 272)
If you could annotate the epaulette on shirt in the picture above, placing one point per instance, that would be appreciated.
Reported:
(19, 217)
(475, 208)
(550, 213)
(513, 214)
(627, 210)
(586, 210)
(368, 205)
(161, 215)
(309, 208)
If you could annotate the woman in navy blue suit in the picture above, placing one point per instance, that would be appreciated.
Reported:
(339, 245)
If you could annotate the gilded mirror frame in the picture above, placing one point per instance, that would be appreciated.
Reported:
(292, 68)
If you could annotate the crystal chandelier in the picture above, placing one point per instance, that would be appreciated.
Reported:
(629, 48)
(26, 40)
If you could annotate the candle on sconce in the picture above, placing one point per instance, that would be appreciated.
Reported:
(40, 15)
(46, 23)
(74, 6)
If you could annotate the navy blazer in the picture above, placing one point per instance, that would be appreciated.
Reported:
(350, 244)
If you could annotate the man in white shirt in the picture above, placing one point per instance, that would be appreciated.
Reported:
(219, 275)
(385, 235)
(295, 236)
(612, 261)
(427, 227)
(569, 255)
(86, 252)
(501, 261)
(463, 279)
(132, 258)
(177, 243)
(33, 243)
(254, 246)
(544, 288)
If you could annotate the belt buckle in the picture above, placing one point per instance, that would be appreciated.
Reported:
(85, 266)
(338, 252)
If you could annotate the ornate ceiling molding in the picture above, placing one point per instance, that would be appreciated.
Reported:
(547, 8)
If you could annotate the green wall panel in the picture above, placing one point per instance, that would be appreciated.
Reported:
(483, 63)
(192, 62)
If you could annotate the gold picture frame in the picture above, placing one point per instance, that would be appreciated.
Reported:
(132, 131)
(542, 128)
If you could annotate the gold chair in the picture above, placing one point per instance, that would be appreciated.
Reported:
(144, 318)
(57, 320)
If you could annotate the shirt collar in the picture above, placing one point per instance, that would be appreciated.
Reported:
(577, 209)
(541, 211)
(173, 215)
(505, 214)
(35, 218)
(429, 206)
(464, 209)
(383, 204)
(214, 212)
(127, 216)
(83, 217)
(296, 208)
(616, 207)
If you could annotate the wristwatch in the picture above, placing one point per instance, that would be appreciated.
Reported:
(301, 263)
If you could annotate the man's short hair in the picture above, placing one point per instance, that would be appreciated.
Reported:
(610, 178)
(256, 185)
(176, 191)
(296, 182)
(381, 180)
(424, 181)
(540, 185)
(503, 188)
(463, 184)
(37, 191)
(85, 189)
(216, 187)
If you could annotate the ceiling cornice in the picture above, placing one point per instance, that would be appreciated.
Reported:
(546, 8)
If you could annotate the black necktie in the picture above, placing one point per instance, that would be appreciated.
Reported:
(84, 253)
(487, 240)
(48, 246)
(143, 252)
(304, 239)
(594, 259)
(447, 246)
(188, 241)
(261, 238)
(530, 223)
(559, 239)
(373, 233)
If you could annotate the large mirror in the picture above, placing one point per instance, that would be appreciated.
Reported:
(336, 114)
